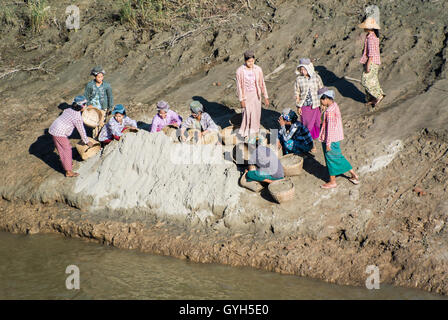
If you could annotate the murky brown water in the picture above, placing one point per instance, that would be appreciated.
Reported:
(33, 267)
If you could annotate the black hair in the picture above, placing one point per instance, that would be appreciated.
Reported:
(249, 57)
(324, 96)
(76, 106)
(377, 33)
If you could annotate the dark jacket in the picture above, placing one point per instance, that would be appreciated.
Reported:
(106, 99)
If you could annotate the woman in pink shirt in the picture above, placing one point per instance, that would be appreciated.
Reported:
(371, 61)
(62, 128)
(330, 135)
(250, 87)
(165, 117)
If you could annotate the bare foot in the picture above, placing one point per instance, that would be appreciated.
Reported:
(314, 150)
(329, 185)
(71, 174)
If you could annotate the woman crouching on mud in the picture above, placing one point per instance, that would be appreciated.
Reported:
(331, 135)
(62, 128)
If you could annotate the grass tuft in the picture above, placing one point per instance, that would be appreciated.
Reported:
(38, 14)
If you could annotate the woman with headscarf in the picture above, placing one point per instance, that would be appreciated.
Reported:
(306, 86)
(99, 92)
(264, 165)
(331, 135)
(164, 117)
(62, 128)
(250, 86)
(113, 130)
(293, 136)
(201, 121)
(371, 61)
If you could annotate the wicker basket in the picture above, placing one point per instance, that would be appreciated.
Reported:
(240, 153)
(93, 117)
(282, 190)
(254, 186)
(171, 132)
(211, 137)
(87, 152)
(229, 136)
(292, 164)
(130, 130)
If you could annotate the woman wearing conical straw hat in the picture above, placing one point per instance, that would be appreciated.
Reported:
(371, 61)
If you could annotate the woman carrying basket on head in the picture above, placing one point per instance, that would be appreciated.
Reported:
(371, 61)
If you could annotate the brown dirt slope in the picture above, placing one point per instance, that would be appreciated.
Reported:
(401, 146)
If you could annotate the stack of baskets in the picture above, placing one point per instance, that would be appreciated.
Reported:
(87, 152)
(282, 190)
(292, 164)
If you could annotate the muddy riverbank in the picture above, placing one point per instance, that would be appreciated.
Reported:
(327, 234)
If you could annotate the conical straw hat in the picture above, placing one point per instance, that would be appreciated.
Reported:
(370, 23)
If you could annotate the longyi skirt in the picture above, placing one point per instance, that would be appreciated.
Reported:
(334, 159)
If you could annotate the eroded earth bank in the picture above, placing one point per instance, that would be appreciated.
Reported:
(140, 194)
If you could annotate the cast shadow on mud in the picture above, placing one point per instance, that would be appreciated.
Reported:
(345, 88)
(314, 167)
(221, 114)
(44, 149)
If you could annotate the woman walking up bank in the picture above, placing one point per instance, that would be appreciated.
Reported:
(371, 61)
(250, 87)
(331, 135)
(62, 128)
(306, 86)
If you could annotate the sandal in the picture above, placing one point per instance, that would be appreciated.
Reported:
(354, 180)
(377, 102)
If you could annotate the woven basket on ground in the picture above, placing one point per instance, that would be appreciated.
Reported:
(130, 130)
(292, 164)
(211, 137)
(171, 132)
(229, 136)
(87, 152)
(93, 117)
(282, 190)
(240, 153)
(254, 186)
(193, 137)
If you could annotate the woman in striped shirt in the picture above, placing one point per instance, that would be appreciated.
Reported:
(113, 130)
(62, 128)
(331, 134)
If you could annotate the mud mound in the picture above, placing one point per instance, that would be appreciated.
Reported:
(149, 171)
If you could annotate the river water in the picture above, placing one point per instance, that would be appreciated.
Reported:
(33, 267)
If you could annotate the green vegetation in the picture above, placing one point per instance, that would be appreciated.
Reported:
(38, 14)
(160, 14)
(7, 16)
